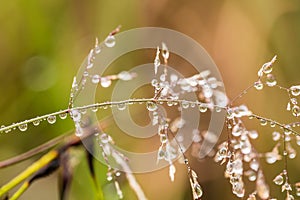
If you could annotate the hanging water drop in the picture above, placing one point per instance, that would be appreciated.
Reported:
(105, 82)
(36, 122)
(151, 106)
(295, 90)
(254, 164)
(51, 119)
(198, 190)
(23, 127)
(258, 85)
(263, 122)
(165, 52)
(97, 47)
(163, 138)
(96, 79)
(104, 138)
(170, 103)
(121, 106)
(270, 80)
(110, 41)
(63, 115)
(154, 83)
(185, 104)
(278, 180)
(109, 176)
(297, 188)
(296, 111)
(125, 76)
(272, 124)
(202, 108)
(267, 68)
(94, 108)
(160, 154)
(276, 136)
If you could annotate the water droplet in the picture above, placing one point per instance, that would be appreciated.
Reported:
(51, 119)
(251, 175)
(218, 109)
(202, 108)
(96, 79)
(165, 52)
(170, 103)
(117, 173)
(185, 104)
(76, 115)
(121, 106)
(270, 80)
(272, 124)
(245, 146)
(198, 190)
(97, 47)
(271, 157)
(278, 180)
(156, 61)
(105, 82)
(259, 85)
(151, 106)
(154, 82)
(36, 122)
(23, 127)
(296, 111)
(237, 130)
(160, 154)
(110, 41)
(276, 136)
(109, 176)
(297, 187)
(254, 164)
(295, 90)
(289, 197)
(94, 108)
(104, 138)
(253, 134)
(163, 138)
(63, 115)
(263, 122)
(286, 187)
(125, 76)
(287, 130)
(267, 68)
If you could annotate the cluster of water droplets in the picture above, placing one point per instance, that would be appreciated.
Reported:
(293, 105)
(265, 76)
(23, 126)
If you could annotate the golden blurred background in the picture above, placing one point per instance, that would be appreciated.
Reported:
(43, 43)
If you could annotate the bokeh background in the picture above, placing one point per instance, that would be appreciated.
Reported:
(43, 43)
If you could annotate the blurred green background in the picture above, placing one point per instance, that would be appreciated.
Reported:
(43, 43)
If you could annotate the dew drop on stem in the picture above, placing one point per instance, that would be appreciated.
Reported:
(110, 41)
(105, 82)
(63, 115)
(278, 180)
(295, 90)
(95, 79)
(258, 85)
(121, 106)
(202, 108)
(151, 106)
(36, 122)
(51, 119)
(23, 127)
